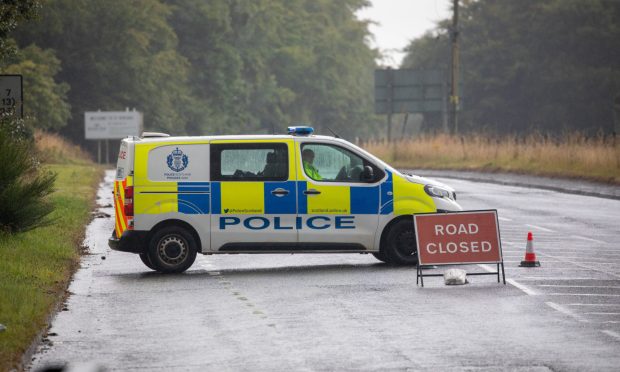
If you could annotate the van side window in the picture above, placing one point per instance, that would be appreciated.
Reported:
(330, 163)
(249, 162)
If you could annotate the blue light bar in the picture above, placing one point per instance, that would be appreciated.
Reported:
(300, 131)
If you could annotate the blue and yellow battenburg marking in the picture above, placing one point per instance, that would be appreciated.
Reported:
(259, 198)
(334, 207)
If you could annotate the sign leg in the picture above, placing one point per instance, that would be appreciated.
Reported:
(98, 151)
(498, 272)
(421, 276)
(503, 273)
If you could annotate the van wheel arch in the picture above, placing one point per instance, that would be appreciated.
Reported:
(177, 223)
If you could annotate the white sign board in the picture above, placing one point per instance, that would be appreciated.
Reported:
(112, 124)
(11, 100)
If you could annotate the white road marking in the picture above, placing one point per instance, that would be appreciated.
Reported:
(565, 311)
(577, 304)
(504, 219)
(579, 286)
(607, 259)
(551, 278)
(583, 294)
(602, 313)
(529, 291)
(550, 268)
(580, 265)
(588, 239)
(512, 282)
(612, 334)
(555, 246)
(539, 228)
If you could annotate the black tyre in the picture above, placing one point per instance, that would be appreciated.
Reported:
(381, 257)
(147, 261)
(172, 250)
(400, 245)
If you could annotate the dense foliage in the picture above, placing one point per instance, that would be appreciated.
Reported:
(549, 65)
(209, 67)
(23, 185)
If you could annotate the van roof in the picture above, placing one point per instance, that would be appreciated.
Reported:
(224, 137)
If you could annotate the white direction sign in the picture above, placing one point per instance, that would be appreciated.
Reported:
(112, 124)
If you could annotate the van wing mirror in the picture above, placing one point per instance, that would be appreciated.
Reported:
(368, 174)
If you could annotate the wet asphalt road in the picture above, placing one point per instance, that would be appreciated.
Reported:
(351, 312)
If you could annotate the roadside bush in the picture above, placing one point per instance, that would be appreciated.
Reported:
(24, 184)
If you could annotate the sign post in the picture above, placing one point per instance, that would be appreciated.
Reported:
(461, 238)
(11, 95)
(403, 91)
(106, 125)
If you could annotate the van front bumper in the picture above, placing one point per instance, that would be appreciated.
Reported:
(130, 241)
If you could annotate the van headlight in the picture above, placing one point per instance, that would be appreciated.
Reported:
(437, 191)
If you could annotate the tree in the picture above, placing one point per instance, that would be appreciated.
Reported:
(23, 185)
(13, 12)
(115, 54)
(264, 64)
(46, 101)
(545, 65)
(211, 67)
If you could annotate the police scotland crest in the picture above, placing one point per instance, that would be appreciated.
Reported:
(177, 160)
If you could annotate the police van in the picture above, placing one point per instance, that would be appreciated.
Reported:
(296, 193)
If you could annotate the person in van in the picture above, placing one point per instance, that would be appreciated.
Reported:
(307, 156)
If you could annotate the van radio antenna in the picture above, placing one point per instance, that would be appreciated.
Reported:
(334, 133)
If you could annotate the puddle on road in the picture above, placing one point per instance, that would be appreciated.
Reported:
(100, 228)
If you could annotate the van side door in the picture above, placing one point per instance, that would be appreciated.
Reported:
(253, 195)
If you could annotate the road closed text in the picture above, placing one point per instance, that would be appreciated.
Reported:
(458, 237)
(462, 246)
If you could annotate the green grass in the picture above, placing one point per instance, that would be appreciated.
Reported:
(35, 267)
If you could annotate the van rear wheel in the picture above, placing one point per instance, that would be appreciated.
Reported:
(401, 246)
(172, 250)
(147, 261)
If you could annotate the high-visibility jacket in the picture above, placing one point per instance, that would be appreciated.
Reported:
(311, 171)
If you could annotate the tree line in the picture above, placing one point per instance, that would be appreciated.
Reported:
(194, 66)
(550, 65)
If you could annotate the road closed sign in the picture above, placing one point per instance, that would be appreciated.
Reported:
(458, 238)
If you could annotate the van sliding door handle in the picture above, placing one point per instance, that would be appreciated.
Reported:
(279, 192)
(312, 192)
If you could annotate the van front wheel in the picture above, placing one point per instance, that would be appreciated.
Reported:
(401, 246)
(172, 250)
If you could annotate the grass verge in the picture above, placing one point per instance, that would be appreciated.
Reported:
(35, 267)
(571, 156)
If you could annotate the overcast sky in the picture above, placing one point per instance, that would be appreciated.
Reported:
(400, 21)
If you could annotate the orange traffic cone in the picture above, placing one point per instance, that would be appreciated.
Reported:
(530, 256)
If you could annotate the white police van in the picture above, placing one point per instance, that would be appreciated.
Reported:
(296, 193)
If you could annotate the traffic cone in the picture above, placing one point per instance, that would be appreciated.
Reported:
(530, 256)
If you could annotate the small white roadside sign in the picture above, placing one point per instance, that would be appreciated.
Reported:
(112, 124)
